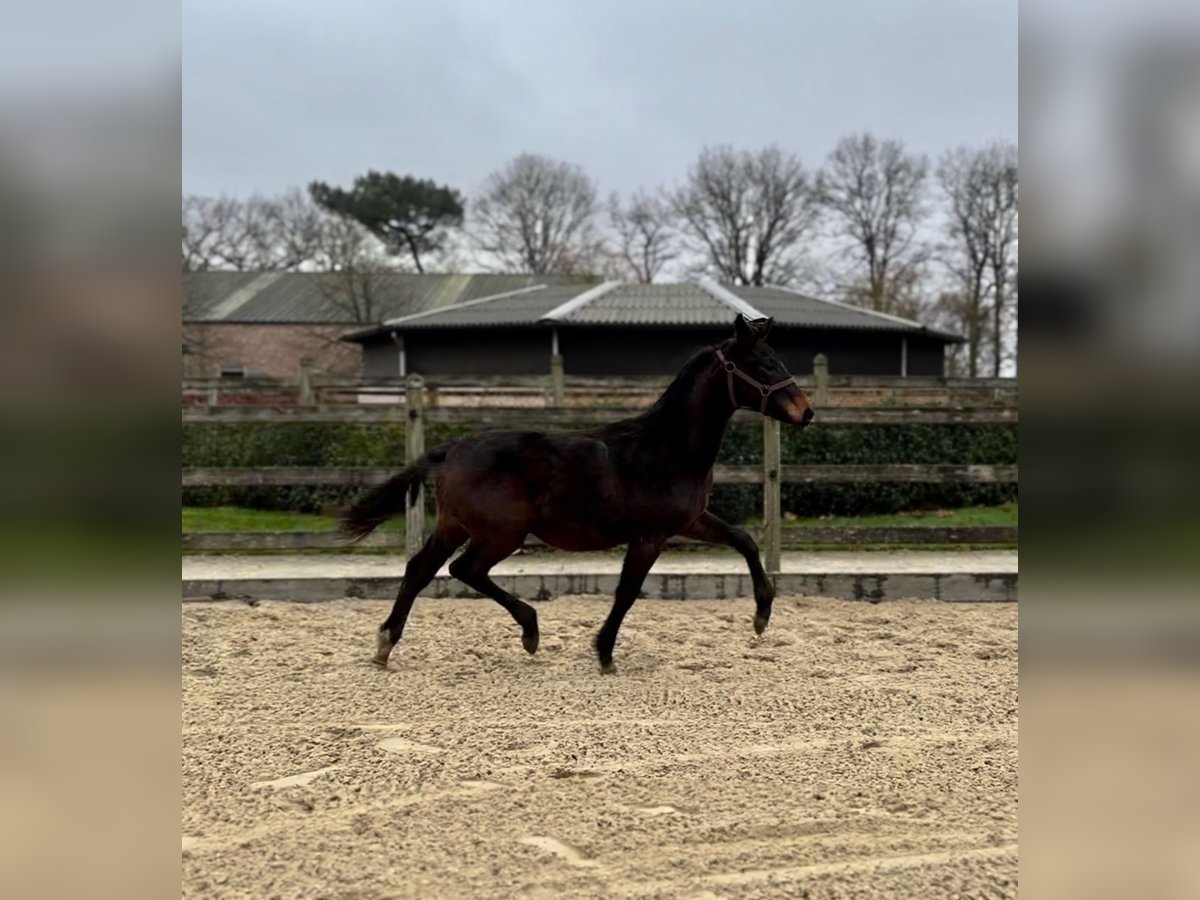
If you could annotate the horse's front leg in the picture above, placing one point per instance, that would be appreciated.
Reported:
(638, 559)
(711, 530)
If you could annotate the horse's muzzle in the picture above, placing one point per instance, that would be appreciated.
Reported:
(797, 413)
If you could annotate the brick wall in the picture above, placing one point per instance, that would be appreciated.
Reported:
(267, 349)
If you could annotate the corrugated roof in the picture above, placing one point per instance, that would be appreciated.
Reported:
(205, 293)
(791, 308)
(651, 304)
(520, 307)
(313, 297)
(614, 303)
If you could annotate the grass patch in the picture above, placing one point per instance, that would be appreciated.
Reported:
(1006, 514)
(233, 518)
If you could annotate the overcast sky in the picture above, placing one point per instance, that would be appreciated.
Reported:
(280, 92)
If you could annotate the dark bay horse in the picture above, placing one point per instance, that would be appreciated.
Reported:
(636, 482)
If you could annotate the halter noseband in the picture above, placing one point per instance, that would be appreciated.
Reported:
(731, 369)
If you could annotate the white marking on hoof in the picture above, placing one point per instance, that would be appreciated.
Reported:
(563, 851)
(401, 745)
(383, 645)
(293, 780)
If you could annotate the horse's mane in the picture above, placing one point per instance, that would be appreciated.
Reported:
(669, 411)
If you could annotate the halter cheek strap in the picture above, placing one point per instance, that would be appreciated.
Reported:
(731, 369)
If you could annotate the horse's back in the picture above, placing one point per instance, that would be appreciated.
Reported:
(527, 477)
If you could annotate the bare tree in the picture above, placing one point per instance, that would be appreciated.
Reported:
(260, 233)
(359, 293)
(359, 283)
(215, 234)
(874, 194)
(981, 193)
(358, 273)
(963, 181)
(292, 232)
(746, 213)
(199, 233)
(1000, 165)
(536, 215)
(645, 234)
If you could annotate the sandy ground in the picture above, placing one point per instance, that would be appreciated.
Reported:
(852, 751)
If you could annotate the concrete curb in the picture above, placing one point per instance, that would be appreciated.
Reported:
(993, 587)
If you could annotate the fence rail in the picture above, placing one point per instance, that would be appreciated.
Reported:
(556, 389)
(364, 476)
(543, 417)
(629, 383)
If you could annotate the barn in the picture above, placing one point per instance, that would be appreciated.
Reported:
(621, 329)
(245, 324)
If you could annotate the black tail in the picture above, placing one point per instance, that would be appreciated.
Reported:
(387, 500)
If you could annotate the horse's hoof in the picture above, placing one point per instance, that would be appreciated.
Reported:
(607, 668)
(529, 642)
(380, 661)
(760, 622)
(383, 645)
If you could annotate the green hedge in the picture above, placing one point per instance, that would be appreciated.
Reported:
(869, 445)
(299, 444)
(320, 444)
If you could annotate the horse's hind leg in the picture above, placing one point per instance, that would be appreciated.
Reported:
(420, 570)
(472, 570)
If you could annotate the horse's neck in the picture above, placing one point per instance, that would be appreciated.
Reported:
(697, 423)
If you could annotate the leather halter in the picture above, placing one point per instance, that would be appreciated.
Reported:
(731, 369)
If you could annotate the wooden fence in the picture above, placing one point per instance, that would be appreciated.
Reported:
(415, 411)
(317, 392)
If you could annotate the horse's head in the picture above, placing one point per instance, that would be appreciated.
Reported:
(757, 378)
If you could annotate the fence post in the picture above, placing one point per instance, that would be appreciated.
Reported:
(558, 388)
(821, 371)
(214, 394)
(306, 386)
(414, 443)
(772, 515)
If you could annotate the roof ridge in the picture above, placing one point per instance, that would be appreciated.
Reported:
(560, 312)
(399, 320)
(730, 299)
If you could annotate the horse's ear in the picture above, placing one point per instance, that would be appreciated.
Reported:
(744, 330)
(750, 331)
